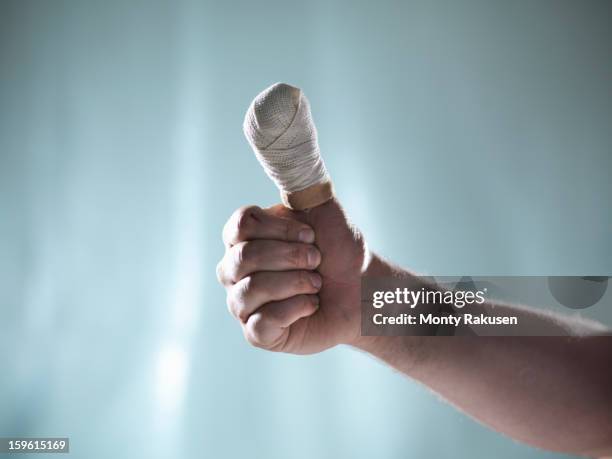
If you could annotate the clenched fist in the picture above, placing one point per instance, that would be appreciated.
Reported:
(293, 279)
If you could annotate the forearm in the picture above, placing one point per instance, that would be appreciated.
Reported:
(551, 392)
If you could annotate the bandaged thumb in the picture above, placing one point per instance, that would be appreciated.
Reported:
(278, 125)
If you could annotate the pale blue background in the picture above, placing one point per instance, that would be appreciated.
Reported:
(464, 137)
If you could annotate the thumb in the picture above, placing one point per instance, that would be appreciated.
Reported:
(279, 127)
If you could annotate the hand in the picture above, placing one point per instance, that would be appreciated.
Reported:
(293, 279)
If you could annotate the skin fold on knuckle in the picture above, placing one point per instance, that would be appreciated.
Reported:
(310, 302)
(303, 283)
(257, 329)
(242, 254)
(246, 288)
(219, 272)
(230, 229)
(298, 307)
(297, 256)
(308, 305)
(244, 222)
(226, 269)
(239, 296)
(291, 229)
(231, 306)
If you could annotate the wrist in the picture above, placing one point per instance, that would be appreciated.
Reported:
(373, 266)
(404, 351)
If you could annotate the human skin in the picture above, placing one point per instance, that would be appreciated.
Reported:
(551, 392)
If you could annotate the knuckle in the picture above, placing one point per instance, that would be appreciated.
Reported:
(233, 305)
(250, 209)
(257, 326)
(303, 280)
(248, 255)
(240, 314)
(255, 330)
(228, 267)
(243, 225)
(242, 252)
(241, 294)
(303, 302)
(220, 271)
(306, 301)
(297, 256)
(248, 284)
(309, 302)
(244, 221)
(236, 301)
(230, 306)
(237, 226)
(252, 341)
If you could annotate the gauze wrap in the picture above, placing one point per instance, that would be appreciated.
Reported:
(278, 125)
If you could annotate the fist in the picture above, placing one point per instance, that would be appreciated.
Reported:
(293, 279)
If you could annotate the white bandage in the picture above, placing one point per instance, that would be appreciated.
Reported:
(279, 127)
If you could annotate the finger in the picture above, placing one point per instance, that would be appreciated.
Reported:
(264, 287)
(266, 255)
(268, 327)
(252, 222)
